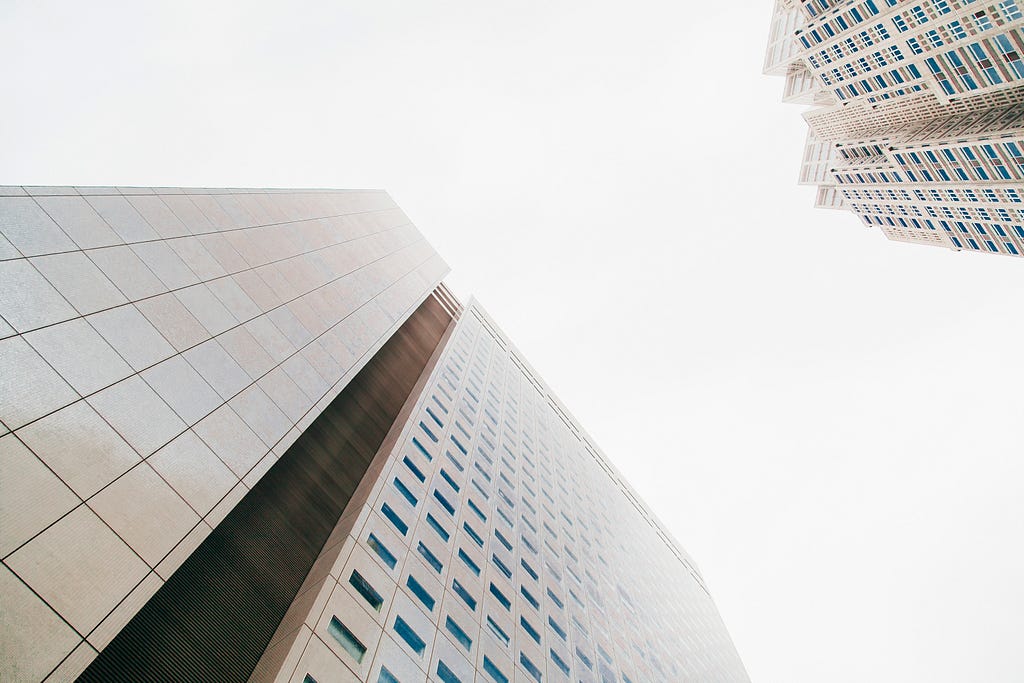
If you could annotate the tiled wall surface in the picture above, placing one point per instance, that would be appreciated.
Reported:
(159, 350)
(495, 545)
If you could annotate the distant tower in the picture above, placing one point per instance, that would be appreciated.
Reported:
(918, 125)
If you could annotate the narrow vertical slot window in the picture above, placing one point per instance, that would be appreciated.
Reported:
(406, 493)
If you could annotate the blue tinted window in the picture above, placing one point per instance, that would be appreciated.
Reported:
(469, 563)
(383, 552)
(420, 592)
(412, 468)
(459, 634)
(436, 526)
(429, 557)
(461, 591)
(505, 602)
(493, 671)
(409, 636)
(386, 676)
(497, 630)
(402, 527)
(364, 588)
(445, 674)
(406, 493)
(530, 630)
(530, 667)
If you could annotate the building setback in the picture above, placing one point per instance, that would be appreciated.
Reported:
(918, 118)
(250, 435)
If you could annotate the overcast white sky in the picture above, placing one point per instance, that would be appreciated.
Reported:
(829, 422)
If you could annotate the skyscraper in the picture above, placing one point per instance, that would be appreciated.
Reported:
(250, 435)
(918, 125)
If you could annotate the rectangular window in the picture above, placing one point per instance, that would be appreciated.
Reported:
(530, 630)
(393, 517)
(559, 663)
(557, 629)
(530, 667)
(472, 534)
(364, 588)
(474, 508)
(449, 508)
(420, 592)
(505, 602)
(429, 557)
(493, 671)
(529, 598)
(412, 468)
(529, 569)
(448, 478)
(426, 430)
(436, 526)
(386, 676)
(426, 454)
(554, 598)
(459, 634)
(381, 551)
(503, 540)
(501, 566)
(409, 636)
(461, 591)
(406, 493)
(497, 631)
(346, 639)
(445, 674)
(468, 562)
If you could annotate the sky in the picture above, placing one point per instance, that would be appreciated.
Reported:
(830, 423)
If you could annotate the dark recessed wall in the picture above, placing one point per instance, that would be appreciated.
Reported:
(212, 620)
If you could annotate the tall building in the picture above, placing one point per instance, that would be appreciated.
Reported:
(918, 118)
(250, 435)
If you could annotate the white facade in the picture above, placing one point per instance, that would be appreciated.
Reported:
(497, 544)
(160, 349)
(924, 135)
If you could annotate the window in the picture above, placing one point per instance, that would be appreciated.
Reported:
(420, 592)
(389, 559)
(386, 676)
(493, 671)
(445, 674)
(412, 468)
(557, 629)
(409, 636)
(449, 508)
(364, 588)
(461, 591)
(393, 517)
(469, 562)
(497, 631)
(530, 630)
(529, 598)
(559, 663)
(429, 557)
(404, 490)
(530, 667)
(346, 639)
(459, 634)
(505, 602)
(436, 526)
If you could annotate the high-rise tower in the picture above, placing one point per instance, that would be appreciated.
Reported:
(918, 125)
(250, 435)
